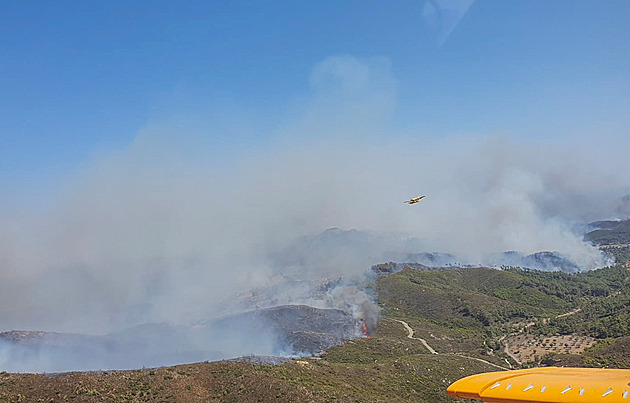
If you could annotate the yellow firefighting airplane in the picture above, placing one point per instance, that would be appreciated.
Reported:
(548, 384)
(414, 200)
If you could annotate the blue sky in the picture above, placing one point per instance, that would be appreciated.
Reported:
(81, 78)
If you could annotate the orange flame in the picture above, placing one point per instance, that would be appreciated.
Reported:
(365, 329)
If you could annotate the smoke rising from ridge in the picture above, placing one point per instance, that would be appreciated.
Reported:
(164, 232)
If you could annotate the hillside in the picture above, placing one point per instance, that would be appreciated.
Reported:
(610, 232)
(386, 367)
(436, 326)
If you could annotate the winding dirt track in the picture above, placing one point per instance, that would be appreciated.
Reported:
(432, 351)
(506, 349)
(410, 336)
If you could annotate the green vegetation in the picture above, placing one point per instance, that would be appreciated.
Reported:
(480, 299)
(483, 305)
(621, 254)
(417, 377)
(604, 299)
(464, 315)
(468, 299)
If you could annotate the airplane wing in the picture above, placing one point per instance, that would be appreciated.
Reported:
(548, 384)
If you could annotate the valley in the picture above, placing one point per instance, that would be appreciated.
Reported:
(436, 325)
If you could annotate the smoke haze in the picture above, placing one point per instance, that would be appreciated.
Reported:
(169, 229)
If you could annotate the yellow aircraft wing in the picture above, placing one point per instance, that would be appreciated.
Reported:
(548, 384)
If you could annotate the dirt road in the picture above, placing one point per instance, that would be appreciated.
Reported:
(410, 336)
(432, 351)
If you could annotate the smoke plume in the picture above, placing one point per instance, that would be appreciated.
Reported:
(171, 228)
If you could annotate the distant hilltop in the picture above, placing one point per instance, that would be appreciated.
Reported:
(353, 250)
(613, 232)
(545, 261)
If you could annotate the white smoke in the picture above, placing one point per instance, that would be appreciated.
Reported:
(169, 228)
